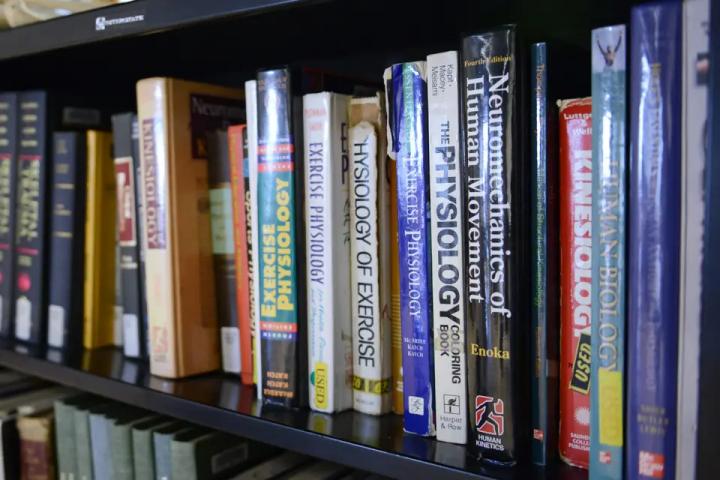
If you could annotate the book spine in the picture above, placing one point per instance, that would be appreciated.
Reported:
(126, 161)
(242, 222)
(654, 240)
(448, 286)
(327, 246)
(279, 324)
(575, 278)
(608, 252)
(247, 329)
(410, 104)
(117, 333)
(36, 448)
(9, 119)
(31, 209)
(254, 258)
(139, 214)
(495, 245)
(66, 240)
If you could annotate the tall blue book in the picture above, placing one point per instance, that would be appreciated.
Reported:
(8, 168)
(654, 242)
(608, 252)
(409, 99)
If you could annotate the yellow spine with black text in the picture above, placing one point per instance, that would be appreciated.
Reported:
(99, 283)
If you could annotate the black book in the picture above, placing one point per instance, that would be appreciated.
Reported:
(67, 224)
(495, 196)
(134, 320)
(8, 184)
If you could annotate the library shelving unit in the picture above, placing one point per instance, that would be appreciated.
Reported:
(102, 53)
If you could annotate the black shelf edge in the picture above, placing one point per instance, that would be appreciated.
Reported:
(140, 17)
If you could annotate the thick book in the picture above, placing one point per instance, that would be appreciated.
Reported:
(65, 409)
(654, 238)
(696, 47)
(162, 442)
(9, 119)
(223, 247)
(126, 161)
(608, 252)
(497, 312)
(143, 447)
(174, 117)
(67, 240)
(370, 257)
(327, 250)
(37, 446)
(446, 226)
(244, 266)
(100, 216)
(410, 116)
(121, 444)
(100, 449)
(575, 212)
(282, 321)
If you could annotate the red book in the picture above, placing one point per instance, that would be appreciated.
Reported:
(242, 223)
(37, 448)
(575, 278)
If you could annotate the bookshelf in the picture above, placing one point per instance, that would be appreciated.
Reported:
(102, 53)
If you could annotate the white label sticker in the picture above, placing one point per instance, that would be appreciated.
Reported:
(56, 325)
(23, 312)
(118, 325)
(230, 337)
(416, 405)
(131, 344)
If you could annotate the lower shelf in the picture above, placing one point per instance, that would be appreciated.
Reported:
(218, 401)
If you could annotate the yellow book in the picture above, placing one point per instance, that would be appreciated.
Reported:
(99, 283)
(397, 378)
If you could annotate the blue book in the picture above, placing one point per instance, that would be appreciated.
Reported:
(410, 122)
(8, 168)
(654, 242)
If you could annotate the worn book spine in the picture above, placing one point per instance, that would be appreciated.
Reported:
(654, 238)
(282, 335)
(575, 208)
(608, 252)
(133, 295)
(67, 234)
(327, 251)
(31, 218)
(446, 225)
(495, 245)
(410, 111)
(37, 448)
(9, 119)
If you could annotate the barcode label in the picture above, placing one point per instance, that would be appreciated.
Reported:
(131, 342)
(23, 313)
(56, 325)
(230, 337)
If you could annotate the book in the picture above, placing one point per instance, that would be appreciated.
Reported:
(143, 446)
(369, 257)
(282, 327)
(100, 448)
(654, 239)
(100, 218)
(244, 266)
(125, 152)
(273, 467)
(67, 240)
(121, 443)
(608, 252)
(211, 455)
(141, 235)
(410, 117)
(254, 258)
(83, 452)
(10, 448)
(576, 241)
(696, 46)
(174, 117)
(37, 451)
(117, 320)
(9, 119)
(162, 442)
(65, 408)
(223, 246)
(327, 250)
(446, 225)
(496, 244)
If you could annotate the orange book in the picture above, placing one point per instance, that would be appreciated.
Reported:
(242, 223)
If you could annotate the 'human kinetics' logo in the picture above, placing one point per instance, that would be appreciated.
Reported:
(489, 415)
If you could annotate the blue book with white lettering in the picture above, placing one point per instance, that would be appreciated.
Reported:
(409, 99)
(654, 242)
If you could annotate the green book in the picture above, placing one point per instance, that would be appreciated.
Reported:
(121, 445)
(142, 445)
(210, 455)
(83, 450)
(65, 433)
(161, 445)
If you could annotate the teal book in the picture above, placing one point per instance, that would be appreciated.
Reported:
(161, 440)
(65, 434)
(608, 252)
(143, 447)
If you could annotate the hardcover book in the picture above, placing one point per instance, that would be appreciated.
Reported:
(143, 447)
(211, 455)
(409, 94)
(369, 257)
(162, 445)
(608, 252)
(37, 448)
(9, 119)
(654, 238)
(67, 240)
(174, 117)
(576, 242)
(495, 245)
(446, 225)
(327, 250)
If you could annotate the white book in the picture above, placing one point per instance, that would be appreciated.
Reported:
(370, 258)
(252, 140)
(327, 247)
(448, 285)
(696, 47)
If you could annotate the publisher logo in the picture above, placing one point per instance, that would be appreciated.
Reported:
(489, 415)
(651, 464)
(103, 23)
(451, 404)
(100, 23)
